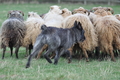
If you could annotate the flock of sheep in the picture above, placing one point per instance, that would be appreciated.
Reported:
(102, 30)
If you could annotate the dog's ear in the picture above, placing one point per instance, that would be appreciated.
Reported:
(80, 26)
(75, 23)
(43, 27)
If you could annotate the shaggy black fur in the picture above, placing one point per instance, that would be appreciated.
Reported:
(12, 32)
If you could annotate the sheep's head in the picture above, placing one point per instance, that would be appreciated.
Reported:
(33, 14)
(117, 16)
(15, 14)
(66, 12)
(109, 10)
(55, 9)
(80, 10)
(102, 11)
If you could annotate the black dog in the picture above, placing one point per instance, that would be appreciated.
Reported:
(58, 40)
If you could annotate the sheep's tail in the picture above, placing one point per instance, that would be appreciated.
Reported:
(40, 42)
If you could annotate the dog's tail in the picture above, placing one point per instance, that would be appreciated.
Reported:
(43, 27)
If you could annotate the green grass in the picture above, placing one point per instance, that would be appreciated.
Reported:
(14, 69)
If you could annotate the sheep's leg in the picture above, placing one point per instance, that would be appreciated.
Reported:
(30, 48)
(97, 52)
(53, 55)
(4, 49)
(116, 53)
(11, 49)
(70, 54)
(86, 55)
(26, 51)
(40, 53)
(16, 51)
(46, 55)
(29, 51)
(112, 55)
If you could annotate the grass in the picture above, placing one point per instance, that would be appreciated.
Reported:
(14, 69)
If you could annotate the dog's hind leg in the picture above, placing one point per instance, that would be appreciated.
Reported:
(35, 51)
(46, 55)
(58, 52)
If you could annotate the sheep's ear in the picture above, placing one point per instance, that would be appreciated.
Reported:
(9, 13)
(116, 15)
(63, 11)
(73, 12)
(43, 27)
(88, 12)
(110, 9)
(51, 7)
(21, 13)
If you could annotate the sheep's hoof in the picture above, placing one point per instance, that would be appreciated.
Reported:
(87, 60)
(113, 60)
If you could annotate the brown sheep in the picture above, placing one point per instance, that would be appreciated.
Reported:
(66, 12)
(91, 38)
(108, 31)
(106, 10)
(81, 10)
(117, 16)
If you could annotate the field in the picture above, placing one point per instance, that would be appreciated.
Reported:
(14, 69)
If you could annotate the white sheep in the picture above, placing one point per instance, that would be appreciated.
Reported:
(54, 17)
(33, 25)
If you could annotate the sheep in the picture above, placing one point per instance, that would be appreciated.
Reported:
(108, 30)
(12, 32)
(81, 10)
(103, 10)
(66, 13)
(54, 17)
(117, 16)
(33, 25)
(91, 38)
